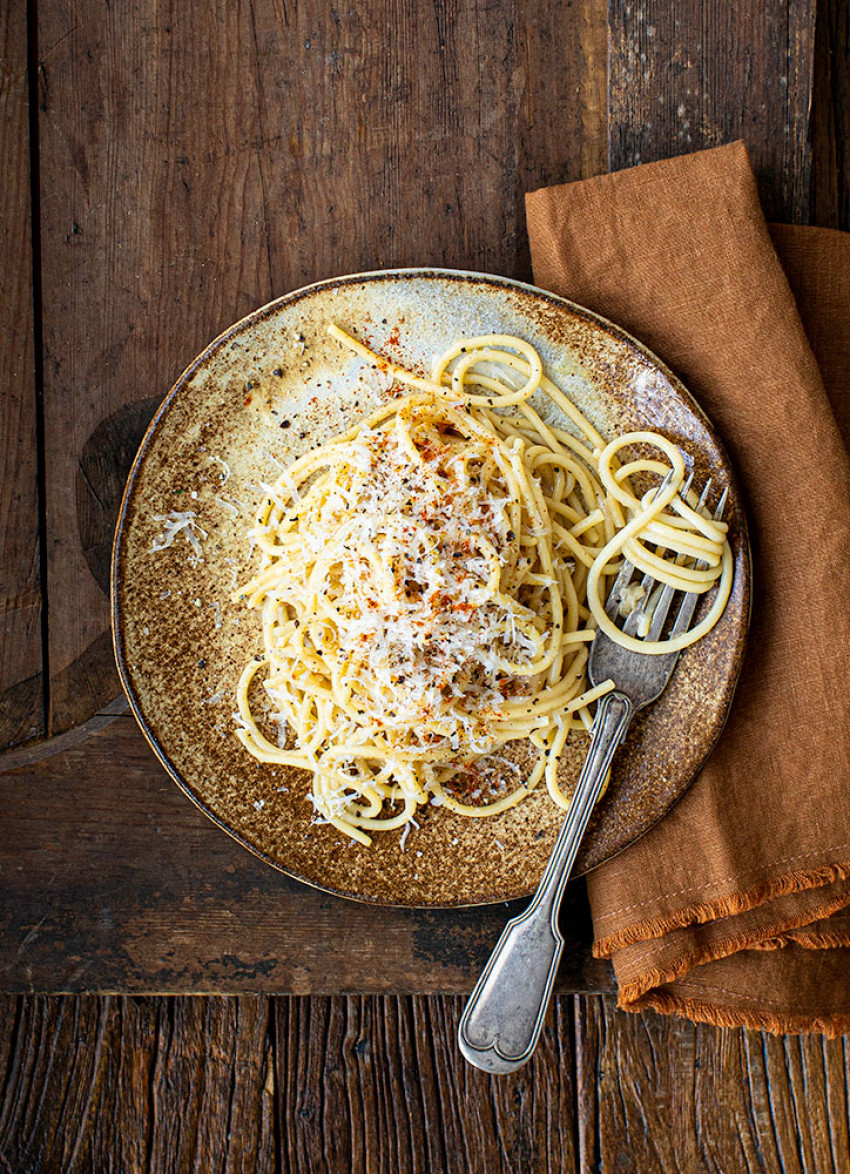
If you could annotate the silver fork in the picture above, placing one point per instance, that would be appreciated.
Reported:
(503, 1019)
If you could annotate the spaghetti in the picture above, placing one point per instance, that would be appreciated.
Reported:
(431, 581)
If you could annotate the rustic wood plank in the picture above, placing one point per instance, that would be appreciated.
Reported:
(830, 118)
(664, 1094)
(377, 1085)
(153, 239)
(687, 76)
(560, 125)
(21, 702)
(50, 1081)
(213, 1063)
(33, 752)
(177, 196)
(114, 881)
(208, 1084)
(384, 148)
(123, 1085)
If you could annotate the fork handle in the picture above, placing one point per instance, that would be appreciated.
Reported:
(503, 1019)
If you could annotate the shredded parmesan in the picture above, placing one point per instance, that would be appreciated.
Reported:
(224, 473)
(179, 523)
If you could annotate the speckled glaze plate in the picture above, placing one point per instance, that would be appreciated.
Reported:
(269, 388)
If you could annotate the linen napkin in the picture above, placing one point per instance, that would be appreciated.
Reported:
(735, 908)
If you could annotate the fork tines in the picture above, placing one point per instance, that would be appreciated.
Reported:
(656, 601)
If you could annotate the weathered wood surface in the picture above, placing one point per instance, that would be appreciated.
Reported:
(682, 77)
(116, 1086)
(112, 881)
(378, 1085)
(666, 1095)
(260, 1085)
(375, 1085)
(21, 701)
(278, 191)
(829, 131)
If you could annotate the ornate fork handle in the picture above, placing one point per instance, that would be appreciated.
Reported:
(504, 1016)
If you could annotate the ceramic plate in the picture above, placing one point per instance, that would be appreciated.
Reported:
(268, 389)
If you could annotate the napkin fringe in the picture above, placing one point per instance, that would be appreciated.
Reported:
(729, 906)
(635, 990)
(821, 940)
(644, 990)
(667, 1003)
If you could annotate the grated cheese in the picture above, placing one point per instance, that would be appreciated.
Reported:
(179, 523)
(227, 505)
(224, 475)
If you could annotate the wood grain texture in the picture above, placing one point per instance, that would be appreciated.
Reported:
(208, 1085)
(830, 118)
(153, 239)
(688, 76)
(197, 161)
(21, 705)
(667, 1095)
(116, 1086)
(401, 134)
(113, 881)
(377, 1085)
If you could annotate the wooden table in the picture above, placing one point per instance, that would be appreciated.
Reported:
(171, 1003)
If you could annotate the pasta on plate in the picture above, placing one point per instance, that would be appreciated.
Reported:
(431, 580)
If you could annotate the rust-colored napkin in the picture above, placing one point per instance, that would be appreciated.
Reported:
(734, 909)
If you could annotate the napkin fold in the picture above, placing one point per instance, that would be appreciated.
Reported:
(735, 908)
